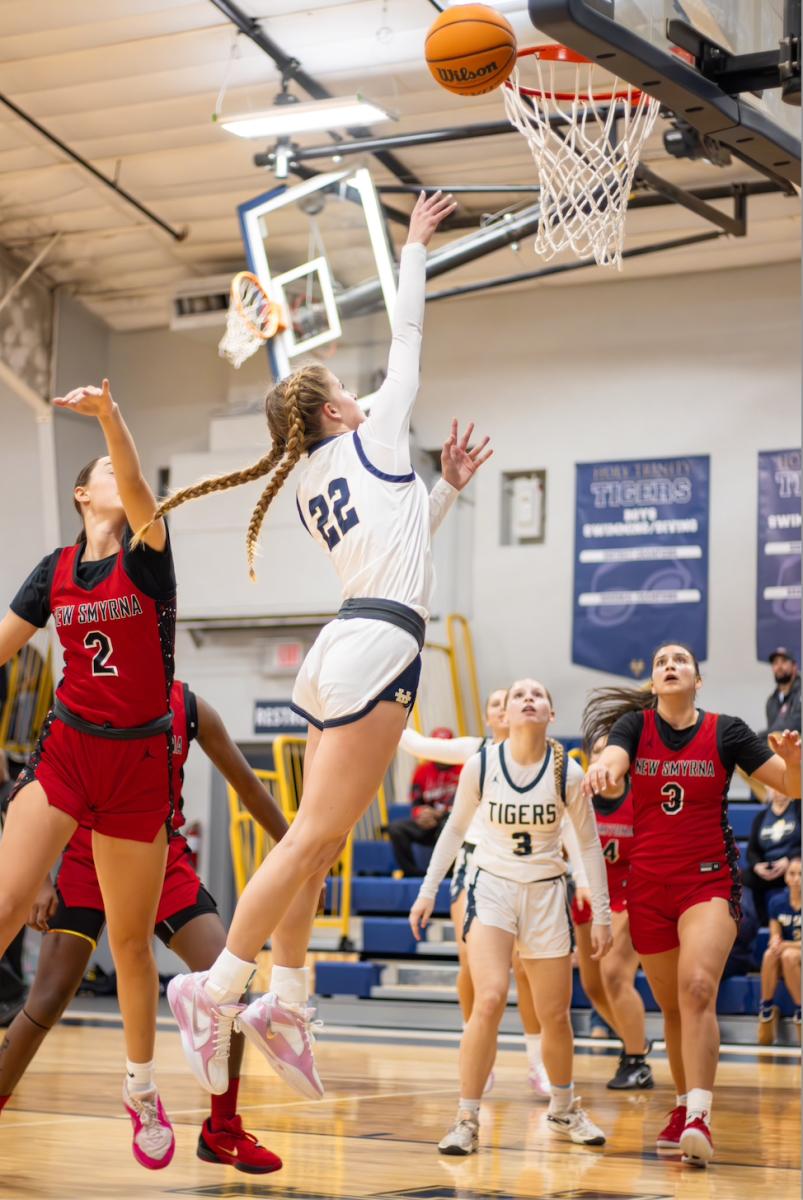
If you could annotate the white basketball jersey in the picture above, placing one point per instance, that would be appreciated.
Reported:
(375, 527)
(521, 825)
(475, 829)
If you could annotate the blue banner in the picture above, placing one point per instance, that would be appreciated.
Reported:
(778, 574)
(641, 561)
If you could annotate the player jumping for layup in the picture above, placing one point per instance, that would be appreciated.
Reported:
(360, 500)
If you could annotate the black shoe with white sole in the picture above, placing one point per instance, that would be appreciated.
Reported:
(633, 1074)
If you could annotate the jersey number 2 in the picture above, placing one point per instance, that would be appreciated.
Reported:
(674, 803)
(340, 495)
(102, 645)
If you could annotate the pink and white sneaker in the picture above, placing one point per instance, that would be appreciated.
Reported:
(154, 1144)
(286, 1039)
(539, 1081)
(205, 1028)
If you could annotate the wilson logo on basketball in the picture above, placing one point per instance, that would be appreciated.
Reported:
(463, 75)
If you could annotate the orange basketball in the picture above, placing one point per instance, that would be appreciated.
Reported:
(471, 49)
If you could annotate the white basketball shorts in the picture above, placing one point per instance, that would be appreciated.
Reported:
(351, 666)
(537, 914)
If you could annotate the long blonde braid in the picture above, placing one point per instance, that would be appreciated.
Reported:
(293, 451)
(293, 408)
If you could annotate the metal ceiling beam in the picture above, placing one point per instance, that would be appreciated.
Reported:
(177, 234)
(736, 225)
(562, 268)
(291, 69)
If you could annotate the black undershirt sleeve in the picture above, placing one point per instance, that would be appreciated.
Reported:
(627, 733)
(151, 570)
(191, 709)
(738, 746)
(32, 601)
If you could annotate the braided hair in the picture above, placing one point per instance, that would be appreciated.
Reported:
(293, 409)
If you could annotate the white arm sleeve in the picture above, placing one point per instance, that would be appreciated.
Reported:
(453, 834)
(567, 832)
(441, 499)
(454, 751)
(386, 433)
(581, 814)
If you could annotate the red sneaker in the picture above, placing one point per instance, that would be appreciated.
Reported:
(695, 1143)
(668, 1140)
(233, 1147)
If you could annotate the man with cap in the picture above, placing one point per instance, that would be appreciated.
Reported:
(783, 706)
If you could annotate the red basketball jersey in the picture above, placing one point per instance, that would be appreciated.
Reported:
(681, 810)
(616, 838)
(118, 646)
(78, 859)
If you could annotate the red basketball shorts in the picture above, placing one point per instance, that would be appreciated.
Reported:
(78, 880)
(656, 907)
(121, 789)
(582, 916)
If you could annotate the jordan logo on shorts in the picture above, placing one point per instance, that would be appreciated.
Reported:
(403, 697)
(147, 754)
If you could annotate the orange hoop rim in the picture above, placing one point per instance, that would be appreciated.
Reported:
(555, 52)
(274, 315)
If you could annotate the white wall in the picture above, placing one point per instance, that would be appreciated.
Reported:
(705, 364)
(22, 533)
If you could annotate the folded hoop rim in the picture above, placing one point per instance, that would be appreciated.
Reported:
(555, 52)
(274, 311)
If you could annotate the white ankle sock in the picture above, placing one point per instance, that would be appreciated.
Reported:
(533, 1043)
(291, 985)
(140, 1077)
(469, 1106)
(228, 978)
(562, 1098)
(698, 1104)
(680, 1101)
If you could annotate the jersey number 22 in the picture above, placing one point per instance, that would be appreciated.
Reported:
(340, 495)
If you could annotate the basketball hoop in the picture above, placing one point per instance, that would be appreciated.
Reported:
(585, 163)
(252, 319)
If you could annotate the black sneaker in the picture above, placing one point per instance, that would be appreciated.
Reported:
(633, 1073)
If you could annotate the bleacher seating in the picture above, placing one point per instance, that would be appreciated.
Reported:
(383, 904)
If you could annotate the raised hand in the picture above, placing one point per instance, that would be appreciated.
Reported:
(427, 215)
(89, 401)
(459, 465)
(597, 780)
(786, 745)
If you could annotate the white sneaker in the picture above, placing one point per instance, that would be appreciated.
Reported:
(539, 1081)
(575, 1123)
(489, 1084)
(463, 1137)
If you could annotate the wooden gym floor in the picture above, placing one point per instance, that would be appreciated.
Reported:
(64, 1134)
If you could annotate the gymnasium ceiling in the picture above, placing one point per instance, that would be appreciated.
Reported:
(131, 85)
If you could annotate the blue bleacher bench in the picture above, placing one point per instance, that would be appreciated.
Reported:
(346, 978)
(392, 896)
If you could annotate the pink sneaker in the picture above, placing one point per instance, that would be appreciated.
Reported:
(286, 1039)
(205, 1030)
(539, 1082)
(154, 1143)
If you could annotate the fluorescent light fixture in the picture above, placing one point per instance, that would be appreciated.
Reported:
(285, 119)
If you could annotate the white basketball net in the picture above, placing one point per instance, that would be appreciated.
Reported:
(249, 320)
(586, 164)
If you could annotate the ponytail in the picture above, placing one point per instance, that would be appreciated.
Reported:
(293, 410)
(605, 706)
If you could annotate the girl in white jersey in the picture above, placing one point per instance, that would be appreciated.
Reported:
(458, 751)
(361, 501)
(517, 894)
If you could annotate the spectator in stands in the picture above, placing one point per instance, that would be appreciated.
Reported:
(782, 956)
(741, 959)
(783, 706)
(774, 840)
(432, 795)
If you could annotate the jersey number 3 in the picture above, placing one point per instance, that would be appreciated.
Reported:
(674, 803)
(102, 645)
(340, 495)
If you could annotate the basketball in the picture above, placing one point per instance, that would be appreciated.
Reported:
(471, 49)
